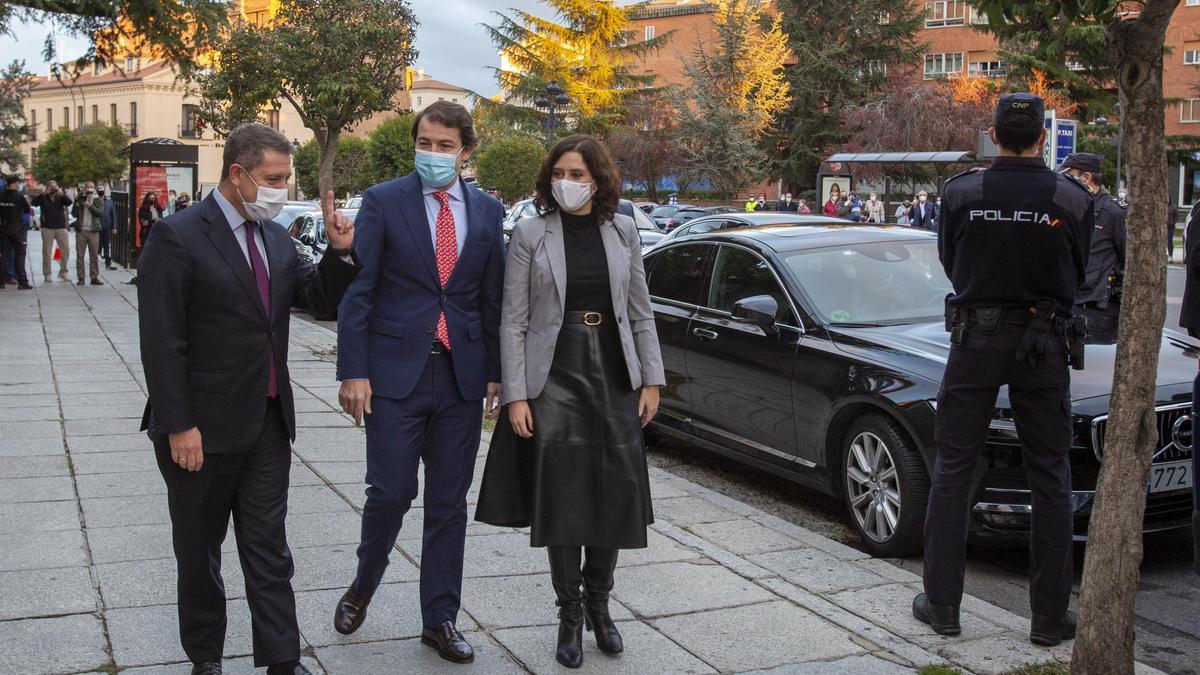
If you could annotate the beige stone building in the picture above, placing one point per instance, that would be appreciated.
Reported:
(147, 101)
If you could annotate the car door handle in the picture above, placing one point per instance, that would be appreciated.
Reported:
(705, 333)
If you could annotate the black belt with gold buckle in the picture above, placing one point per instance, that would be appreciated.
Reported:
(586, 318)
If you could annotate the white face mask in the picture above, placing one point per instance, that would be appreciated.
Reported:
(922, 198)
(1121, 194)
(269, 203)
(571, 196)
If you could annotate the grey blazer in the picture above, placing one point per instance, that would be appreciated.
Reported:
(535, 284)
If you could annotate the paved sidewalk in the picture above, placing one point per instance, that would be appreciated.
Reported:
(87, 578)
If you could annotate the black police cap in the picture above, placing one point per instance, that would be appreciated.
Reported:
(1086, 162)
(1019, 109)
(15, 178)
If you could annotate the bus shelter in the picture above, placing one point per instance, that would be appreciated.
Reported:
(155, 165)
(838, 169)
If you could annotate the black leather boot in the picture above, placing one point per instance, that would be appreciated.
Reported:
(567, 577)
(942, 618)
(597, 583)
(1050, 632)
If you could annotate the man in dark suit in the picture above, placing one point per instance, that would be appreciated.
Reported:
(1189, 315)
(216, 286)
(787, 204)
(418, 350)
(923, 214)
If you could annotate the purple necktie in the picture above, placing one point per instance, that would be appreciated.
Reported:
(264, 293)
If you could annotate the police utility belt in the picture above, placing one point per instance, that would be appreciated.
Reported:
(1042, 325)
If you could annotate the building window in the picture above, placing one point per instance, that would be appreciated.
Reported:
(649, 32)
(132, 127)
(987, 69)
(66, 117)
(273, 119)
(188, 128)
(97, 68)
(1192, 3)
(79, 119)
(979, 17)
(1189, 110)
(939, 65)
(33, 125)
(95, 114)
(131, 64)
(945, 13)
(112, 113)
(49, 120)
(418, 101)
(1191, 57)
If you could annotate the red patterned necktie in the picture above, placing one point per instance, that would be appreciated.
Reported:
(447, 256)
(259, 267)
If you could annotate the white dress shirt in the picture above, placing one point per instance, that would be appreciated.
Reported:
(458, 208)
(238, 224)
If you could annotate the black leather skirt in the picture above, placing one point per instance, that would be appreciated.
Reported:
(582, 479)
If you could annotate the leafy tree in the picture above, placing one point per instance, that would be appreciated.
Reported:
(180, 31)
(1070, 55)
(510, 165)
(736, 90)
(353, 171)
(647, 146)
(15, 85)
(586, 51)
(391, 148)
(844, 52)
(337, 63)
(86, 153)
(1135, 33)
(306, 161)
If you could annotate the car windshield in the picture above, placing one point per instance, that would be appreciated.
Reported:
(354, 203)
(664, 211)
(878, 283)
(290, 213)
(643, 221)
(688, 214)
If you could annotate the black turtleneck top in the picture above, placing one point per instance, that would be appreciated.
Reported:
(588, 288)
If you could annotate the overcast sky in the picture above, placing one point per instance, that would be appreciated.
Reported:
(452, 45)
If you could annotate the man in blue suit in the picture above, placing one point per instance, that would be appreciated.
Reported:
(418, 351)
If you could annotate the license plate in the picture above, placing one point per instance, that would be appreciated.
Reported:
(1171, 476)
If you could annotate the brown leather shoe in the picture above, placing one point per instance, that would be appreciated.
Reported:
(449, 643)
(351, 612)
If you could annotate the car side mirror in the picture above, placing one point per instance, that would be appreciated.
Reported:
(758, 310)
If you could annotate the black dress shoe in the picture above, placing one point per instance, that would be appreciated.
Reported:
(24, 287)
(942, 618)
(597, 619)
(570, 635)
(207, 668)
(97, 282)
(79, 283)
(1052, 633)
(449, 643)
(351, 612)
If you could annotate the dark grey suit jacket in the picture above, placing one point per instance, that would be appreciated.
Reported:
(206, 340)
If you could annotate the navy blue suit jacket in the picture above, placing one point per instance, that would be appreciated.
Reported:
(386, 321)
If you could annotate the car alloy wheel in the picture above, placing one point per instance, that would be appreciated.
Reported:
(874, 487)
(885, 486)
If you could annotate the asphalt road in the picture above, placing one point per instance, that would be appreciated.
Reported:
(1168, 603)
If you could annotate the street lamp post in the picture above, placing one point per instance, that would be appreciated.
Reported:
(554, 99)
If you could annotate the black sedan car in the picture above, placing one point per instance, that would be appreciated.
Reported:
(815, 351)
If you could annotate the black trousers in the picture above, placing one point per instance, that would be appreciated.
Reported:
(1041, 406)
(12, 239)
(1102, 324)
(106, 245)
(252, 487)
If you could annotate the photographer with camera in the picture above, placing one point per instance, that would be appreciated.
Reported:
(88, 210)
(1099, 294)
(53, 204)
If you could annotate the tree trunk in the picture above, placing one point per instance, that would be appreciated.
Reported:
(327, 142)
(1114, 553)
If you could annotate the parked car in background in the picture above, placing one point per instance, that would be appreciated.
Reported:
(350, 209)
(693, 212)
(647, 230)
(815, 350)
(662, 215)
(310, 231)
(287, 216)
(646, 207)
(736, 219)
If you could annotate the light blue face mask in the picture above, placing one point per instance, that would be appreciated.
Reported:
(437, 169)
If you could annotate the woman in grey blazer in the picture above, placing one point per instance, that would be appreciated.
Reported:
(581, 371)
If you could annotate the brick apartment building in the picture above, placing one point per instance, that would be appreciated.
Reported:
(955, 46)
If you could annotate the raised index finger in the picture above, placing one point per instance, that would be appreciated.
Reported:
(328, 205)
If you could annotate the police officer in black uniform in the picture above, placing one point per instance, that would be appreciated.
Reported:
(13, 207)
(1098, 298)
(1014, 241)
